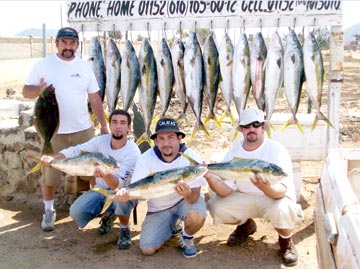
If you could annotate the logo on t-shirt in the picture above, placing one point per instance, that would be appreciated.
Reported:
(77, 75)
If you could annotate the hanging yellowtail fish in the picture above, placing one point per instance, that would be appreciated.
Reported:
(293, 76)
(165, 73)
(242, 169)
(46, 118)
(148, 88)
(226, 54)
(274, 69)
(96, 61)
(113, 75)
(241, 73)
(212, 76)
(157, 184)
(177, 56)
(314, 73)
(257, 61)
(82, 165)
(194, 80)
(130, 75)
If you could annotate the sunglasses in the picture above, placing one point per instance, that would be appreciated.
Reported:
(254, 124)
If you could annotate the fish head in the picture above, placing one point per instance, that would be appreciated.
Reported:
(193, 173)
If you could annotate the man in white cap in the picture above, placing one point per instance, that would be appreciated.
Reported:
(239, 202)
(186, 203)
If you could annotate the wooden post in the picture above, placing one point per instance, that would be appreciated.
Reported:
(335, 84)
(31, 43)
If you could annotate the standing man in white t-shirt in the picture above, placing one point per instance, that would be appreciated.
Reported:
(74, 82)
(238, 202)
(186, 203)
(125, 151)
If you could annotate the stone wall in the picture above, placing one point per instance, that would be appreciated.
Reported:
(18, 138)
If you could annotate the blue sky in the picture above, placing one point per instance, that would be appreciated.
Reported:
(19, 15)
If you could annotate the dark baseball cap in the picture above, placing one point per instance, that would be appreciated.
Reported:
(167, 125)
(67, 32)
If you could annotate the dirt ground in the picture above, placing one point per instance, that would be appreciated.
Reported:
(24, 245)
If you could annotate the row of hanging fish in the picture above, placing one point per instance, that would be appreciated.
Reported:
(196, 73)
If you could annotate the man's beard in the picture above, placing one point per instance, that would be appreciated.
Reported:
(66, 56)
(117, 137)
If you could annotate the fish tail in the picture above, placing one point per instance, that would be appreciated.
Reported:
(227, 113)
(320, 116)
(233, 121)
(213, 117)
(194, 132)
(235, 135)
(223, 116)
(108, 199)
(144, 138)
(298, 124)
(47, 148)
(155, 120)
(202, 127)
(286, 124)
(268, 131)
(37, 166)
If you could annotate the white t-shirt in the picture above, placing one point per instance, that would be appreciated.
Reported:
(73, 81)
(126, 156)
(149, 163)
(270, 151)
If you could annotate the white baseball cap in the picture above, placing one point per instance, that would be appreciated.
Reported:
(250, 115)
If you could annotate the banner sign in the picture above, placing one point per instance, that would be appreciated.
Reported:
(137, 13)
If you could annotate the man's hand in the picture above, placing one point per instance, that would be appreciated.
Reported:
(183, 189)
(261, 182)
(46, 160)
(122, 195)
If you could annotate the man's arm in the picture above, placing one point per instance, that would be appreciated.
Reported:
(32, 91)
(219, 187)
(97, 107)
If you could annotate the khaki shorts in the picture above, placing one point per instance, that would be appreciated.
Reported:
(51, 176)
(237, 207)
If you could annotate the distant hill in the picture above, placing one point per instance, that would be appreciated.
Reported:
(35, 32)
(350, 32)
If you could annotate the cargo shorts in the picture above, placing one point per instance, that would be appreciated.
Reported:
(51, 176)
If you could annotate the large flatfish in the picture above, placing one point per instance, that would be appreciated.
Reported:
(46, 114)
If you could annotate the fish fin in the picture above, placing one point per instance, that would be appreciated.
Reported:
(191, 160)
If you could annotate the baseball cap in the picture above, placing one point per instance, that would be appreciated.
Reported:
(167, 125)
(67, 32)
(250, 115)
